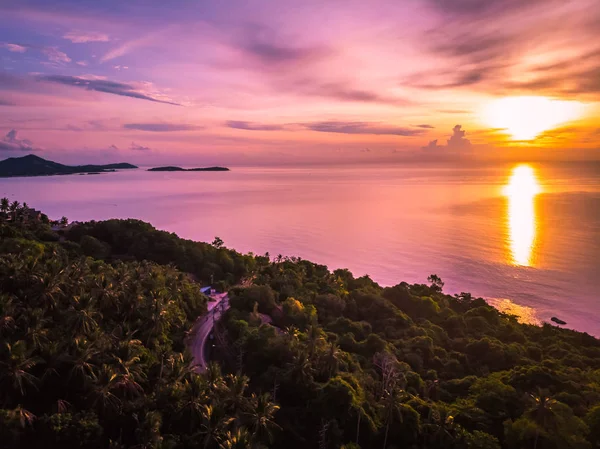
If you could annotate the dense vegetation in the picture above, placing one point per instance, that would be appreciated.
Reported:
(93, 322)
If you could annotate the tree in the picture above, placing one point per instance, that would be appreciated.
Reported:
(436, 282)
(542, 413)
(4, 205)
(261, 416)
(592, 419)
(16, 366)
(64, 221)
(14, 208)
(218, 242)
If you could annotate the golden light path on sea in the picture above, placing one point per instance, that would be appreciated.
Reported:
(521, 191)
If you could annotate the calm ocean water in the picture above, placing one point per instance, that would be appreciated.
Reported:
(532, 248)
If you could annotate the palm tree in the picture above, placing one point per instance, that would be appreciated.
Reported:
(235, 387)
(14, 208)
(261, 417)
(214, 424)
(4, 205)
(542, 413)
(16, 366)
(102, 392)
(392, 407)
(239, 439)
(22, 416)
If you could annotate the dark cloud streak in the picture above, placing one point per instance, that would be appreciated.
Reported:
(105, 86)
(160, 127)
(361, 128)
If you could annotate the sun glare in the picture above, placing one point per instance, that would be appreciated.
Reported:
(521, 191)
(526, 117)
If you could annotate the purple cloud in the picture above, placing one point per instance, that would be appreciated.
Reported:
(361, 128)
(11, 143)
(249, 126)
(136, 147)
(160, 127)
(82, 37)
(457, 142)
(15, 48)
(101, 85)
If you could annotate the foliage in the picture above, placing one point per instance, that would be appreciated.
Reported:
(93, 322)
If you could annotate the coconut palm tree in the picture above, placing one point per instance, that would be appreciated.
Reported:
(4, 205)
(14, 208)
(215, 423)
(16, 366)
(542, 413)
(239, 439)
(233, 395)
(261, 417)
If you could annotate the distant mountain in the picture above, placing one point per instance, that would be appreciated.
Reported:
(172, 168)
(32, 165)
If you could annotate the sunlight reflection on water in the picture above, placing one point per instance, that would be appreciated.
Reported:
(521, 192)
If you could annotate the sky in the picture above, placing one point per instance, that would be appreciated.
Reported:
(265, 82)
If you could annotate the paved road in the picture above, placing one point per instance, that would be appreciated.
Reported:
(203, 328)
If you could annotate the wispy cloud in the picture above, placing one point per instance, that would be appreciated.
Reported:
(52, 53)
(134, 146)
(160, 127)
(137, 43)
(55, 55)
(361, 128)
(249, 126)
(10, 142)
(101, 85)
(82, 37)
(15, 48)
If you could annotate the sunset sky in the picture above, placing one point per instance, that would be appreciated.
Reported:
(257, 82)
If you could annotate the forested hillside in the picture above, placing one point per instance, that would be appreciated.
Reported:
(93, 322)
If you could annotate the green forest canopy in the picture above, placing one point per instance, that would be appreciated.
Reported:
(93, 322)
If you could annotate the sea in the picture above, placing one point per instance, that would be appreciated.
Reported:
(524, 236)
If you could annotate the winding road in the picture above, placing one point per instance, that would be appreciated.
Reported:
(203, 328)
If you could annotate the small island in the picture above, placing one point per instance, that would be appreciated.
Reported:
(172, 168)
(32, 165)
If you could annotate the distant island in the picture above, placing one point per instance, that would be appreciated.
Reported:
(32, 165)
(172, 168)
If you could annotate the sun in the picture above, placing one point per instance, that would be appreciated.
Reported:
(526, 117)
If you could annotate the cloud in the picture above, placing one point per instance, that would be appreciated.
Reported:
(82, 37)
(432, 145)
(82, 63)
(11, 143)
(15, 48)
(361, 128)
(101, 85)
(237, 124)
(160, 127)
(52, 53)
(492, 46)
(131, 45)
(456, 144)
(136, 147)
(55, 55)
(263, 45)
(291, 68)
(425, 126)
(341, 91)
(113, 147)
